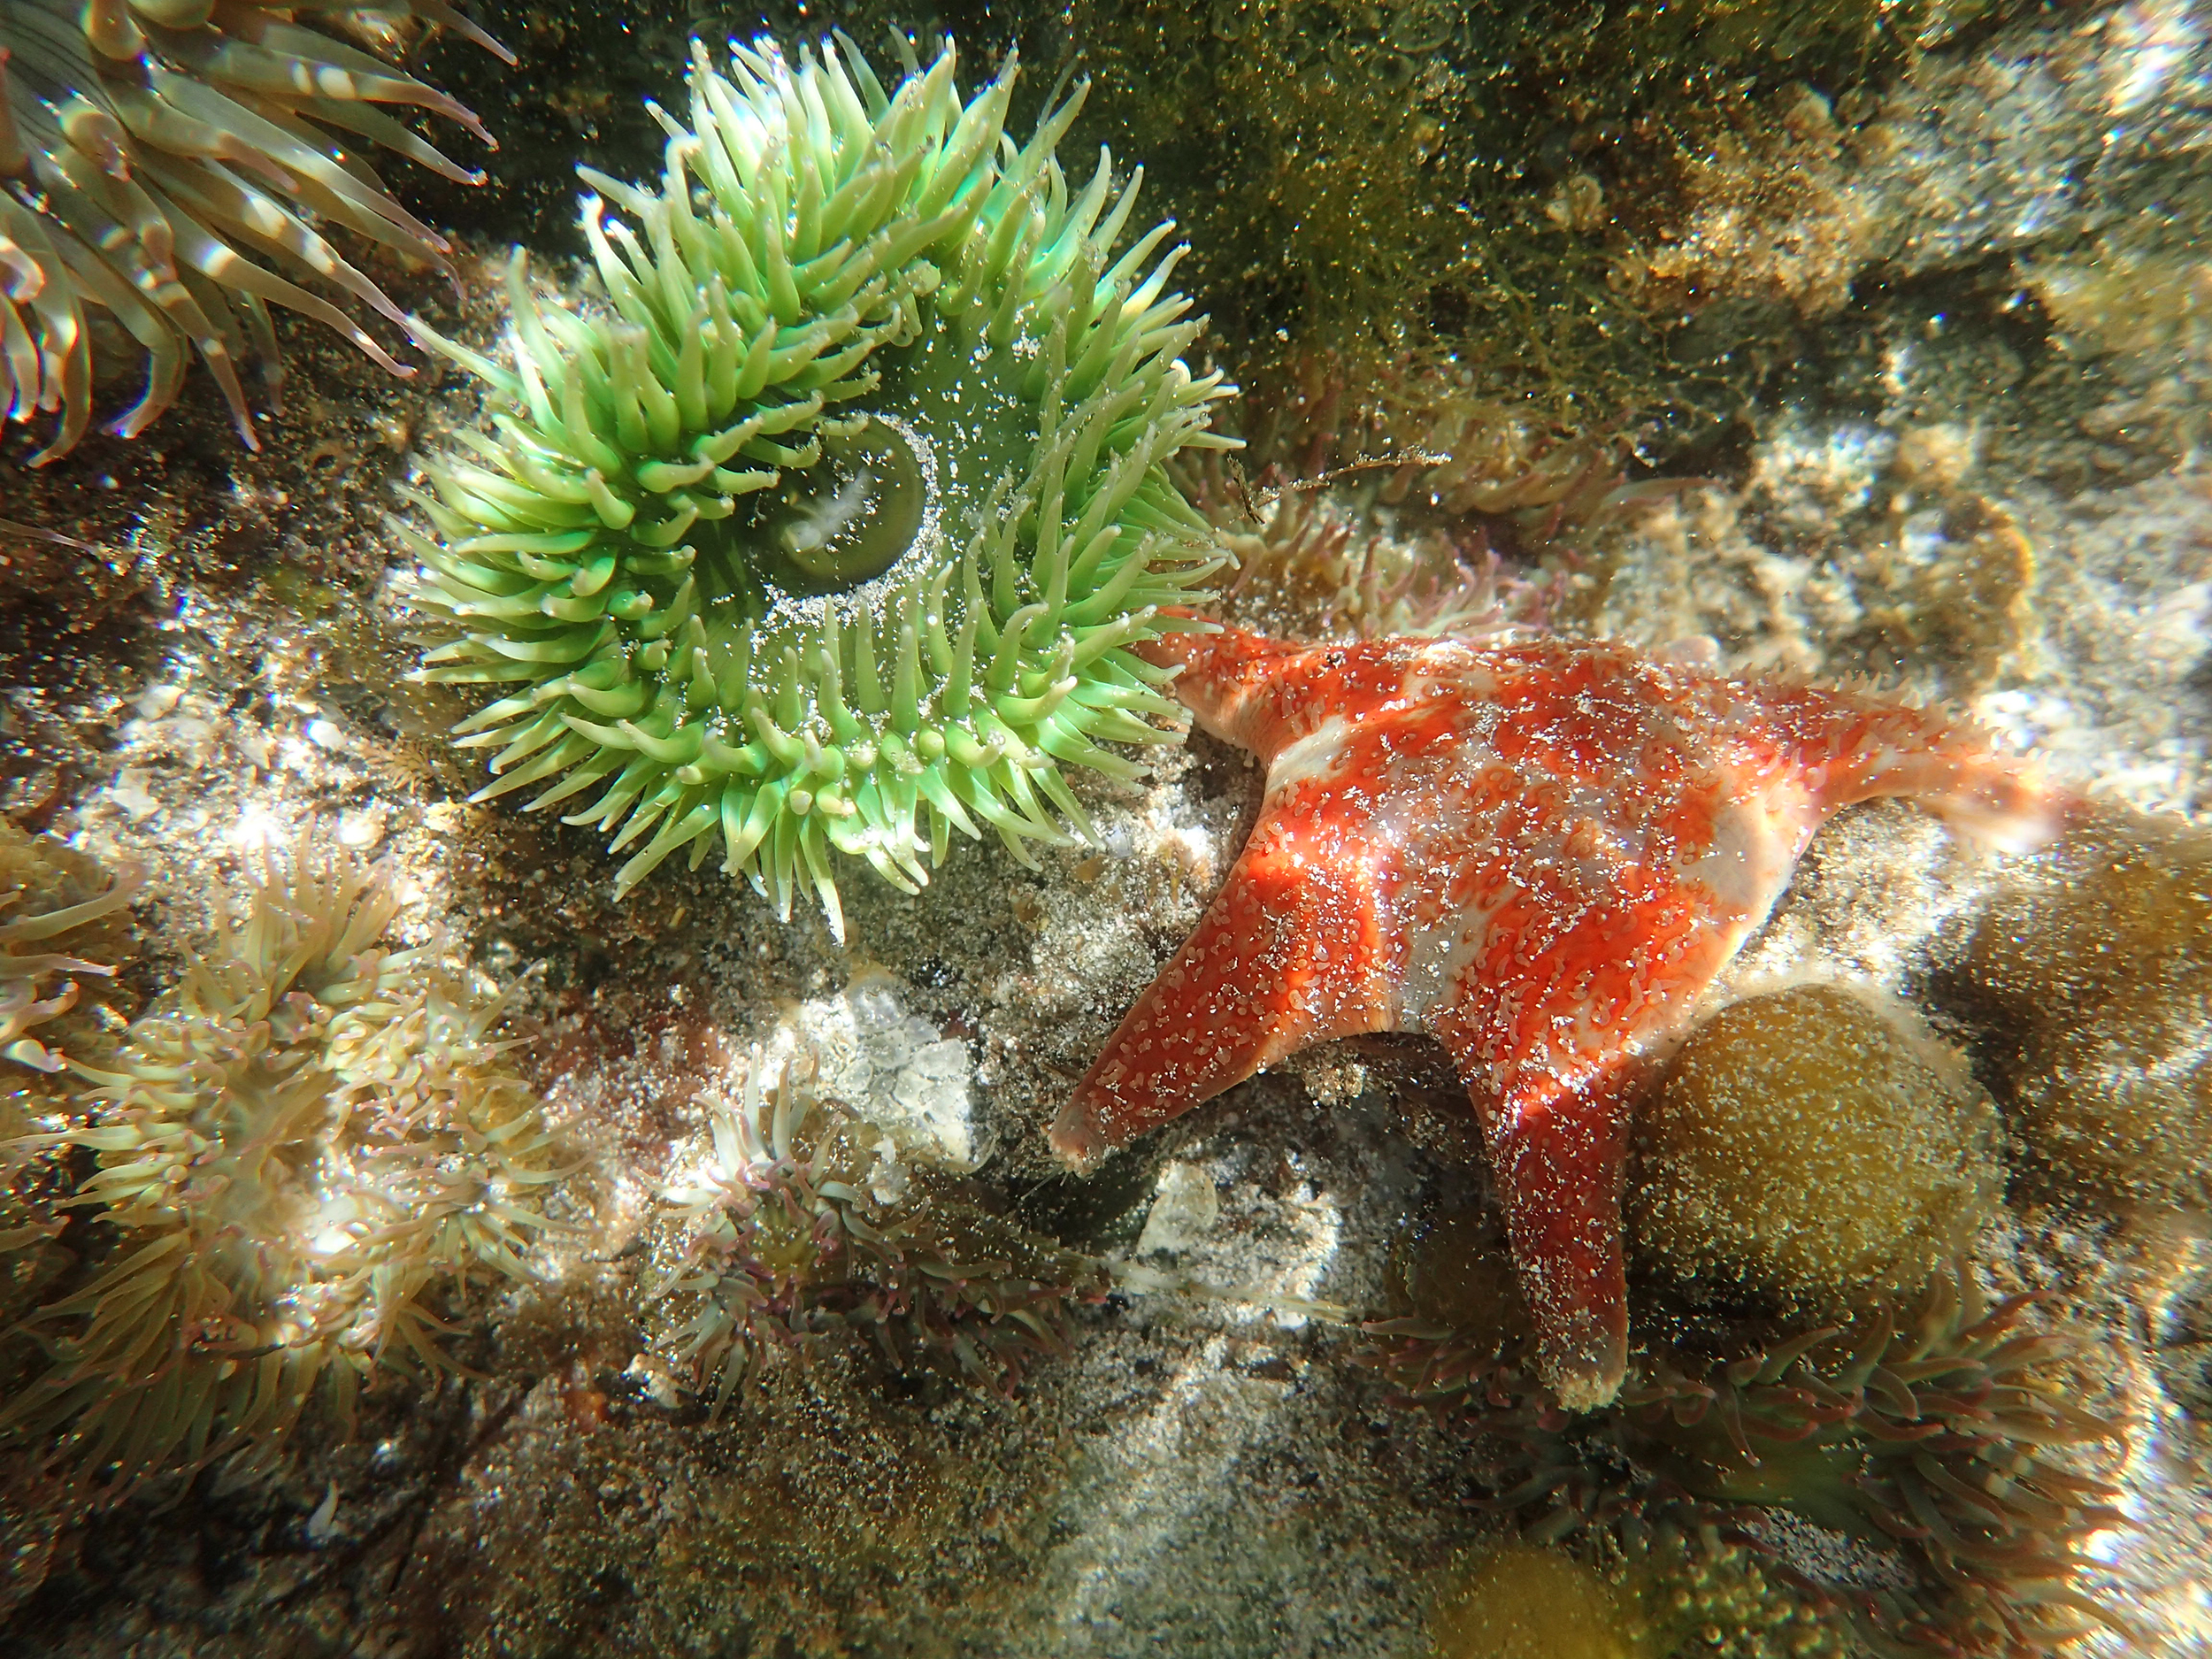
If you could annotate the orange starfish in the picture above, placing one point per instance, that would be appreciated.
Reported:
(1539, 853)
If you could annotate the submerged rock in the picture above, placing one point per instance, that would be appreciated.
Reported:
(1811, 1149)
(2103, 962)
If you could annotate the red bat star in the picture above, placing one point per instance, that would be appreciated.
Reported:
(1539, 853)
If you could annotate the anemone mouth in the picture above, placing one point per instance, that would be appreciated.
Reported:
(851, 516)
(898, 482)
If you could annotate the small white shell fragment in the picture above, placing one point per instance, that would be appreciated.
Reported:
(363, 828)
(323, 1524)
(890, 1067)
(129, 792)
(1184, 1206)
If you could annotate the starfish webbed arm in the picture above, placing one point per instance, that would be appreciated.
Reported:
(1278, 961)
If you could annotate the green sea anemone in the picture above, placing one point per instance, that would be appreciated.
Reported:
(805, 1222)
(1923, 1448)
(295, 1156)
(839, 513)
(151, 150)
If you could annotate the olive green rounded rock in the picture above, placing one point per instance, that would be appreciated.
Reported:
(1518, 1600)
(1811, 1149)
(2102, 966)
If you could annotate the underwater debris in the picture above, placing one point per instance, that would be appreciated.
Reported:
(1959, 582)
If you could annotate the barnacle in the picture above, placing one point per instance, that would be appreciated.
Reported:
(1923, 1442)
(151, 150)
(294, 1155)
(47, 894)
(805, 1222)
(842, 512)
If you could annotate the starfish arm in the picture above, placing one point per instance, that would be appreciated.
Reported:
(1551, 1021)
(1229, 681)
(1559, 1155)
(1264, 695)
(1542, 853)
(1850, 749)
(1290, 953)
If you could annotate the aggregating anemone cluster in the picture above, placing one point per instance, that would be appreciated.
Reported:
(805, 1222)
(300, 1155)
(51, 908)
(829, 534)
(1307, 569)
(153, 153)
(65, 929)
(1924, 1443)
(1827, 1425)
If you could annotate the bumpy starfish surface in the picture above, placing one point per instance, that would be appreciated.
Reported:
(1539, 853)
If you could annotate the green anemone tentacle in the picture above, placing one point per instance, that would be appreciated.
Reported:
(831, 530)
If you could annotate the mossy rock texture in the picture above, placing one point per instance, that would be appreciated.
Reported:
(1521, 1601)
(1811, 1149)
(2101, 964)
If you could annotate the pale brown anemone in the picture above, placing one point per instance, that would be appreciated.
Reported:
(173, 164)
